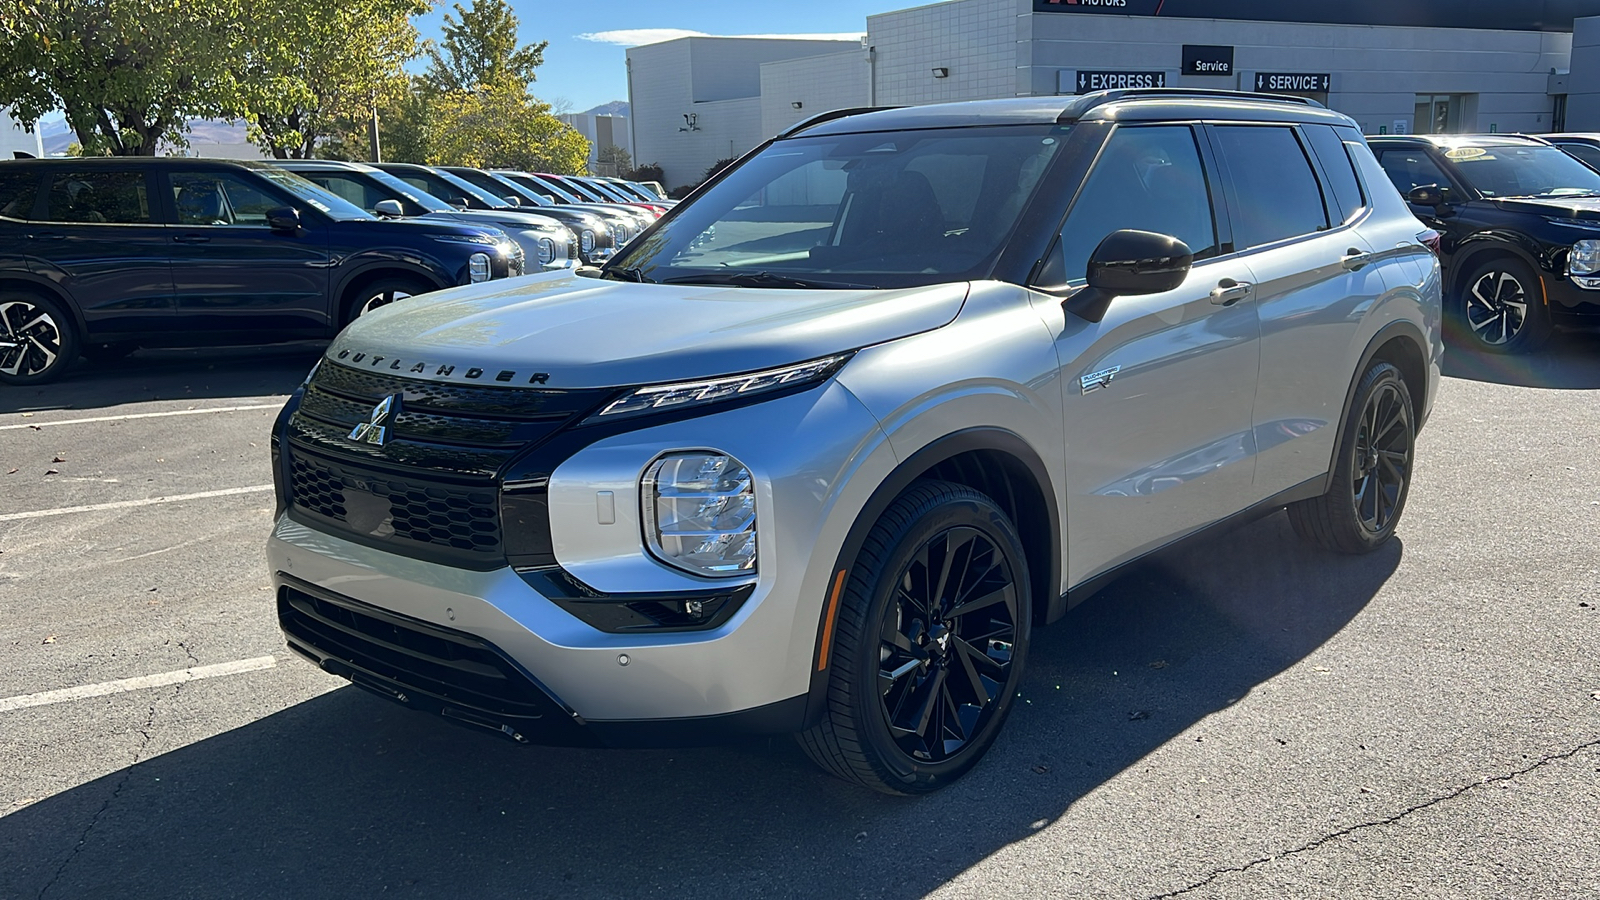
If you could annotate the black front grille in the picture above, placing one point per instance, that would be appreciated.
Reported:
(382, 506)
(420, 664)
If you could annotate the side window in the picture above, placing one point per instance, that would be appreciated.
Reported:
(220, 198)
(98, 197)
(344, 187)
(1276, 190)
(1338, 167)
(17, 192)
(1147, 178)
(1412, 168)
(1585, 153)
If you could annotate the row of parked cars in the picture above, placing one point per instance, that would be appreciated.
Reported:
(101, 256)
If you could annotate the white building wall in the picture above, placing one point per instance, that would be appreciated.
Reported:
(601, 131)
(1583, 84)
(14, 136)
(817, 83)
(976, 40)
(715, 80)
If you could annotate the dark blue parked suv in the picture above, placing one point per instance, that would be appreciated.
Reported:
(98, 256)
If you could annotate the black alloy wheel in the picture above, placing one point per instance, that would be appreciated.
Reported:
(930, 639)
(1502, 307)
(1371, 472)
(945, 644)
(37, 340)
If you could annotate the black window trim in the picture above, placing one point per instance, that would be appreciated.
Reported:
(41, 201)
(1330, 197)
(1230, 196)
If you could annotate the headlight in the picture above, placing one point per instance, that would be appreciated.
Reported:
(508, 249)
(547, 251)
(480, 239)
(693, 393)
(1583, 264)
(700, 513)
(478, 268)
(588, 241)
(619, 235)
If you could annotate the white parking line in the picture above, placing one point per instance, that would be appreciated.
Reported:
(153, 415)
(86, 691)
(129, 504)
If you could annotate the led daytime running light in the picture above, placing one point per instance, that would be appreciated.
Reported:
(693, 393)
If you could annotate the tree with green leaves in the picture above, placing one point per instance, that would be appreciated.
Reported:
(129, 74)
(500, 126)
(329, 67)
(480, 48)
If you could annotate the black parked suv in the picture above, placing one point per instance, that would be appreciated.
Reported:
(99, 256)
(1520, 227)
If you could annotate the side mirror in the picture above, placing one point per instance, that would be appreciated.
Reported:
(459, 202)
(1130, 263)
(284, 220)
(549, 199)
(512, 201)
(1430, 195)
(389, 209)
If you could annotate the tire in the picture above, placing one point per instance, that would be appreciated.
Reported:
(915, 699)
(108, 351)
(1371, 475)
(38, 339)
(381, 292)
(1501, 308)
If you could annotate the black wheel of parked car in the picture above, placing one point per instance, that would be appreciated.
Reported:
(108, 351)
(928, 645)
(37, 339)
(1372, 473)
(381, 292)
(1501, 308)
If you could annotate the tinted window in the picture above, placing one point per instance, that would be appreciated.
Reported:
(1148, 179)
(346, 188)
(1337, 166)
(1412, 168)
(1522, 170)
(98, 197)
(17, 191)
(1274, 185)
(219, 198)
(1588, 154)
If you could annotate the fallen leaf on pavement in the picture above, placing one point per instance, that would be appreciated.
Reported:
(1041, 769)
(50, 640)
(51, 472)
(59, 459)
(1138, 714)
(12, 472)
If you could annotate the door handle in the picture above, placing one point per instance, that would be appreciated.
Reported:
(1228, 292)
(1354, 259)
(191, 239)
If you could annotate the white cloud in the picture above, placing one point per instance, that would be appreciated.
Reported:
(634, 37)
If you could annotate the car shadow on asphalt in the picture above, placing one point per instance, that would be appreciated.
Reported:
(345, 795)
(197, 374)
(1569, 361)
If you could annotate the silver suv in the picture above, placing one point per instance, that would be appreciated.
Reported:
(817, 452)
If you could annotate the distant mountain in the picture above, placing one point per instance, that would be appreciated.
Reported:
(203, 133)
(614, 108)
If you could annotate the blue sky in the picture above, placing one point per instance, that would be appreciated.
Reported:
(585, 61)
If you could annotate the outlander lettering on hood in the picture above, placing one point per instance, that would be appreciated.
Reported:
(441, 370)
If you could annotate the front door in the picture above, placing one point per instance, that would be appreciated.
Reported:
(1158, 395)
(96, 235)
(230, 272)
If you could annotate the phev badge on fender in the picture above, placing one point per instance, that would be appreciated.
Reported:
(376, 429)
(1097, 380)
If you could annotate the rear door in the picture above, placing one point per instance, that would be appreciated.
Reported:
(231, 273)
(1157, 395)
(96, 235)
(1314, 274)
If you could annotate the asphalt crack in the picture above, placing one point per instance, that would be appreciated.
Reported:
(1378, 823)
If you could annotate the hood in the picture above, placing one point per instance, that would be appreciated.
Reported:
(1555, 207)
(585, 332)
(501, 219)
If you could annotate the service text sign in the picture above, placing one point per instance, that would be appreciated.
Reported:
(1293, 82)
(1207, 59)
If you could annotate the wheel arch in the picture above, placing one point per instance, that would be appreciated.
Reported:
(994, 461)
(1401, 344)
(359, 278)
(14, 282)
(1482, 248)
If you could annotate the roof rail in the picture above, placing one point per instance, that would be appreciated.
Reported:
(829, 116)
(1101, 98)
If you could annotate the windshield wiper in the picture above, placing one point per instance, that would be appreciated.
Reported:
(765, 279)
(626, 273)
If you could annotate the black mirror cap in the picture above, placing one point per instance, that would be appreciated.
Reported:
(284, 219)
(1426, 195)
(1130, 263)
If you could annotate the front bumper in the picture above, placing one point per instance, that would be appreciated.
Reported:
(1571, 305)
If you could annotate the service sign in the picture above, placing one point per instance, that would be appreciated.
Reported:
(1088, 80)
(1207, 59)
(1293, 82)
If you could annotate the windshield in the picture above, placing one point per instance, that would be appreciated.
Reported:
(1523, 170)
(326, 202)
(421, 198)
(498, 186)
(609, 191)
(449, 188)
(644, 192)
(582, 189)
(540, 186)
(894, 209)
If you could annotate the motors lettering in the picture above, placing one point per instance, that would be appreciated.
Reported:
(442, 370)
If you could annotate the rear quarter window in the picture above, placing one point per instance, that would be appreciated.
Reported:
(1339, 170)
(98, 197)
(17, 192)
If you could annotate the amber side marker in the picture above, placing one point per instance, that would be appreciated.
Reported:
(827, 621)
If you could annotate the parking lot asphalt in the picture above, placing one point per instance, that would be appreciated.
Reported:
(1245, 718)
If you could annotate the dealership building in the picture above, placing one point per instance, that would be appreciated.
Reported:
(1395, 66)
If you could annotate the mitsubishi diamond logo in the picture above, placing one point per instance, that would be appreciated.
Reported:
(376, 429)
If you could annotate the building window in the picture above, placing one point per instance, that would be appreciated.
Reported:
(1439, 114)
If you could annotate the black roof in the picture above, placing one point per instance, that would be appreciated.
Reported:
(186, 161)
(1153, 104)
